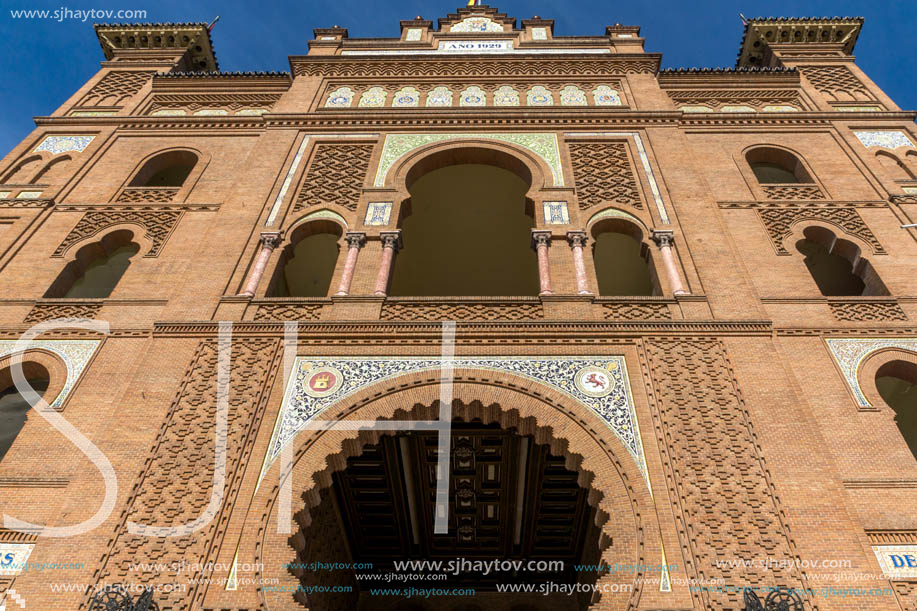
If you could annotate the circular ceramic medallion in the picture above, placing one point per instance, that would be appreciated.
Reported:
(473, 99)
(323, 382)
(594, 381)
(406, 99)
(340, 100)
(539, 99)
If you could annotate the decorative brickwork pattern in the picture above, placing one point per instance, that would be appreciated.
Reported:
(716, 98)
(636, 311)
(867, 311)
(41, 312)
(116, 87)
(157, 223)
(455, 68)
(462, 311)
(175, 485)
(147, 194)
(335, 176)
(793, 192)
(831, 80)
(907, 594)
(603, 173)
(730, 511)
(289, 311)
(779, 222)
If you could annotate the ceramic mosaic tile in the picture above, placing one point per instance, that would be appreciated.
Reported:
(571, 95)
(374, 97)
(406, 97)
(397, 145)
(539, 33)
(64, 144)
(476, 24)
(439, 96)
(472, 96)
(13, 557)
(849, 354)
(76, 354)
(884, 139)
(378, 213)
(603, 95)
(737, 108)
(556, 213)
(599, 384)
(29, 195)
(342, 97)
(211, 112)
(506, 96)
(780, 108)
(413, 34)
(168, 112)
(899, 562)
(539, 96)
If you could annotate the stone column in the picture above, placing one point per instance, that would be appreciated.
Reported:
(391, 242)
(541, 241)
(664, 240)
(577, 240)
(269, 241)
(355, 241)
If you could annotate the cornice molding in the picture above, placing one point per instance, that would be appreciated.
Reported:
(477, 66)
(827, 203)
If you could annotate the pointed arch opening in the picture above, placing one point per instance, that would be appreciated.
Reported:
(622, 259)
(97, 268)
(836, 265)
(896, 382)
(307, 263)
(467, 227)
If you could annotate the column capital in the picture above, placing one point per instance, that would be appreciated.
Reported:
(391, 239)
(271, 239)
(355, 239)
(541, 237)
(576, 238)
(664, 238)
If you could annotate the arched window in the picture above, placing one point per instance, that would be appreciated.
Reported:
(14, 407)
(836, 265)
(97, 268)
(776, 166)
(168, 169)
(307, 263)
(622, 259)
(896, 381)
(467, 228)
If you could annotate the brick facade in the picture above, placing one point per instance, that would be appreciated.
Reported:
(754, 442)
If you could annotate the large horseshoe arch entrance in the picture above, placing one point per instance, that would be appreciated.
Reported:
(581, 502)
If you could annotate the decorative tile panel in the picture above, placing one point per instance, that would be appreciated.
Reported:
(539, 33)
(64, 144)
(884, 139)
(696, 108)
(414, 34)
(599, 384)
(251, 112)
(378, 213)
(603, 95)
(539, 96)
(211, 112)
(5, 194)
(406, 97)
(737, 108)
(374, 97)
(780, 108)
(342, 97)
(506, 96)
(476, 24)
(868, 108)
(439, 96)
(556, 213)
(543, 145)
(849, 354)
(93, 113)
(168, 112)
(472, 96)
(75, 354)
(911, 190)
(571, 95)
(29, 195)
(13, 557)
(899, 562)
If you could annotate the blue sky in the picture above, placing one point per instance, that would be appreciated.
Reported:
(47, 60)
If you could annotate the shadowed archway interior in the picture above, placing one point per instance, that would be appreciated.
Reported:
(896, 381)
(14, 407)
(510, 499)
(468, 233)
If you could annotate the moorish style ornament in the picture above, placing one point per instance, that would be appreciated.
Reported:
(737, 108)
(850, 354)
(884, 139)
(413, 34)
(168, 112)
(556, 213)
(378, 213)
(472, 96)
(76, 354)
(406, 97)
(539, 96)
(342, 97)
(476, 24)
(780, 108)
(506, 96)
(539, 33)
(571, 95)
(211, 112)
(603, 95)
(374, 97)
(599, 383)
(64, 144)
(439, 96)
